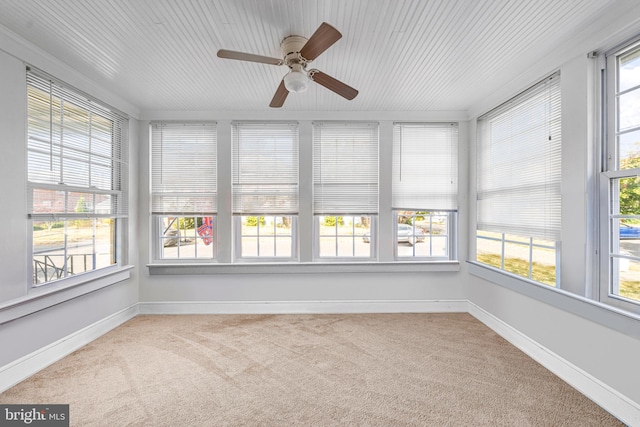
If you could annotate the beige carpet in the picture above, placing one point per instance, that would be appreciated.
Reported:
(307, 370)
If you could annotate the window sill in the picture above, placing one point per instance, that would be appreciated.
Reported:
(46, 296)
(303, 268)
(620, 320)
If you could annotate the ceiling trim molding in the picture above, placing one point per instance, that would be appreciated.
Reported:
(445, 116)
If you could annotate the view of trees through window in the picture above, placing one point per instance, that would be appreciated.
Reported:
(628, 242)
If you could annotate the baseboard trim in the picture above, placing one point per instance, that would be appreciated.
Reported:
(611, 400)
(21, 369)
(304, 307)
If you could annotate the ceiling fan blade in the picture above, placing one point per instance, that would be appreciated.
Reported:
(321, 40)
(241, 56)
(280, 96)
(332, 84)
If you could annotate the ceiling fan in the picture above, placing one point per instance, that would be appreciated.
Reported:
(297, 53)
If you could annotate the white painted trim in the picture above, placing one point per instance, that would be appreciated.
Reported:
(304, 267)
(21, 369)
(302, 307)
(67, 289)
(611, 400)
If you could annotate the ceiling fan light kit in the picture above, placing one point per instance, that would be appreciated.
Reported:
(296, 80)
(297, 52)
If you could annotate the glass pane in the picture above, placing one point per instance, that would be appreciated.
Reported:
(629, 278)
(438, 246)
(629, 70)
(250, 225)
(249, 246)
(105, 242)
(80, 203)
(345, 247)
(284, 247)
(544, 266)
(328, 225)
(361, 248)
(48, 251)
(204, 248)
(48, 201)
(182, 236)
(516, 259)
(489, 249)
(80, 246)
(327, 246)
(169, 237)
(629, 150)
(266, 246)
(629, 197)
(489, 234)
(628, 115)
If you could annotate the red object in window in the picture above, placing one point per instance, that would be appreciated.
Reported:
(206, 230)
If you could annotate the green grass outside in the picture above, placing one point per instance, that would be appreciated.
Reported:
(540, 273)
(547, 273)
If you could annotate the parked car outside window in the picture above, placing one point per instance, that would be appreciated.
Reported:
(405, 235)
(629, 232)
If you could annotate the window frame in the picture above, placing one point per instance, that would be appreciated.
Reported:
(609, 174)
(451, 237)
(158, 239)
(237, 241)
(373, 225)
(416, 146)
(497, 113)
(341, 203)
(157, 215)
(117, 194)
(283, 187)
(307, 262)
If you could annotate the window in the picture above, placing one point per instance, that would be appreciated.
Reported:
(518, 179)
(265, 190)
(77, 170)
(345, 189)
(425, 189)
(620, 181)
(183, 190)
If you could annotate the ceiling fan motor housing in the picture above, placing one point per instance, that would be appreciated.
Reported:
(291, 47)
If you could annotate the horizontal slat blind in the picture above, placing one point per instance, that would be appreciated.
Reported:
(519, 164)
(425, 166)
(184, 174)
(77, 152)
(265, 168)
(345, 168)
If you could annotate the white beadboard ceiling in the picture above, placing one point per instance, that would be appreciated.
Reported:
(402, 55)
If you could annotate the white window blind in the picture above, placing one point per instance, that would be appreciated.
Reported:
(77, 153)
(519, 161)
(345, 168)
(183, 171)
(425, 166)
(265, 168)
